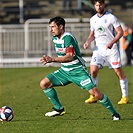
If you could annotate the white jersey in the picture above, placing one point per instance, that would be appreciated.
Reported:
(103, 28)
(104, 32)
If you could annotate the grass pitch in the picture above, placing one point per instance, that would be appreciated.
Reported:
(19, 89)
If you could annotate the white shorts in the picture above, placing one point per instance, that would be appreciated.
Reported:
(110, 56)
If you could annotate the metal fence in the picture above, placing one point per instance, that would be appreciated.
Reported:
(22, 46)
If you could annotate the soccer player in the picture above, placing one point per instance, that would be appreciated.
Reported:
(102, 27)
(73, 70)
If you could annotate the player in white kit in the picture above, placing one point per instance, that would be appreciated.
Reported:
(106, 30)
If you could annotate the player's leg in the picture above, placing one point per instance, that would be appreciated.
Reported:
(115, 63)
(84, 80)
(50, 92)
(53, 79)
(123, 84)
(105, 101)
(96, 64)
(94, 71)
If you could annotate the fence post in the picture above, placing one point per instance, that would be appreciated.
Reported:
(26, 34)
(49, 43)
(1, 53)
(21, 18)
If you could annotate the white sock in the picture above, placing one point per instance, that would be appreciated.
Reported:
(124, 87)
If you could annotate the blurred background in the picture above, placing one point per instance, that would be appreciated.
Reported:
(24, 30)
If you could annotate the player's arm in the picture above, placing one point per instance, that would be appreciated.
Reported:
(119, 33)
(67, 58)
(89, 40)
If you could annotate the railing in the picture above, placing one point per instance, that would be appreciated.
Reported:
(23, 45)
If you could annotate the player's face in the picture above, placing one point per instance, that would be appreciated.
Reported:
(55, 30)
(99, 7)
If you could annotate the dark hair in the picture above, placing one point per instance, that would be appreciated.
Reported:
(58, 20)
(100, 1)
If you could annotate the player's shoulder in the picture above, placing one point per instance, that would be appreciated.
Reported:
(110, 15)
(93, 17)
(67, 35)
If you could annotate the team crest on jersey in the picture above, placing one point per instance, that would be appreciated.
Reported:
(105, 21)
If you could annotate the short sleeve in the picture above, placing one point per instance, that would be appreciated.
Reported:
(91, 26)
(115, 22)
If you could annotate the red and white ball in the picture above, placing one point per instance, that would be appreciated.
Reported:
(6, 113)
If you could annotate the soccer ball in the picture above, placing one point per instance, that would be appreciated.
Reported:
(6, 113)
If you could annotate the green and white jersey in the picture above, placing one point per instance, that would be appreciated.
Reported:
(68, 40)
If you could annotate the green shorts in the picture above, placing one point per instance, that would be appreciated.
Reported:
(78, 76)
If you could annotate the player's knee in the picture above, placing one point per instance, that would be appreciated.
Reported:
(42, 84)
(45, 83)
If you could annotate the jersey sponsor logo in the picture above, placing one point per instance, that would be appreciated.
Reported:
(60, 50)
(85, 82)
(101, 29)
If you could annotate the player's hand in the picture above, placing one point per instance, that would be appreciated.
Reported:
(85, 45)
(109, 46)
(46, 59)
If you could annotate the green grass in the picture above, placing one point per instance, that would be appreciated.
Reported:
(19, 89)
